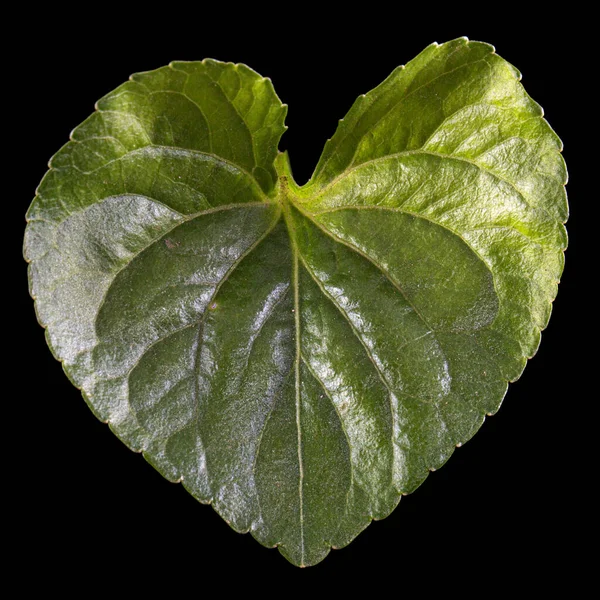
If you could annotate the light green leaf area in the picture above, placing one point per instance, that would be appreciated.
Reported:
(300, 357)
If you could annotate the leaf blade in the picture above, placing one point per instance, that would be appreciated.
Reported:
(301, 357)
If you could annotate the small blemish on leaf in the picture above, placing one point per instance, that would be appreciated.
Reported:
(212, 306)
(170, 244)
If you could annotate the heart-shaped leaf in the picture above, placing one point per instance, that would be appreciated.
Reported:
(301, 356)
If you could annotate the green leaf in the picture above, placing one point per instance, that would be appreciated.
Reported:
(301, 357)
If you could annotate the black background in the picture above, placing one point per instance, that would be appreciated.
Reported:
(507, 508)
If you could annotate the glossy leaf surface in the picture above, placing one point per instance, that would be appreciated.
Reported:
(301, 356)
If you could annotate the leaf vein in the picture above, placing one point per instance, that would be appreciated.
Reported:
(161, 234)
(481, 168)
(231, 269)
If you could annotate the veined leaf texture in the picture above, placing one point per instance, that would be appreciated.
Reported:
(301, 356)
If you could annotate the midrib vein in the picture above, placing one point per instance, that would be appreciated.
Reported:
(297, 369)
(295, 283)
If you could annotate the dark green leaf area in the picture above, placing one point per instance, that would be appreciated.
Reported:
(416, 388)
(207, 369)
(171, 285)
(232, 369)
(304, 473)
(445, 283)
